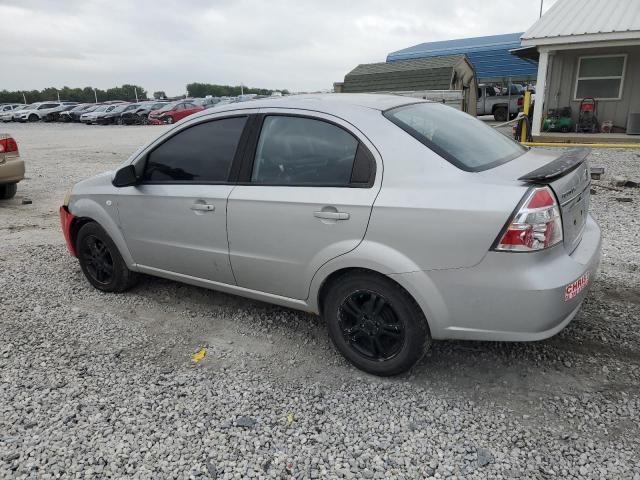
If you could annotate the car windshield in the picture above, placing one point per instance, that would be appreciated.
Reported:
(468, 143)
(168, 106)
(119, 108)
(78, 108)
(101, 108)
(32, 106)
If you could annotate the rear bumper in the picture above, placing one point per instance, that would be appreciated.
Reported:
(507, 296)
(11, 171)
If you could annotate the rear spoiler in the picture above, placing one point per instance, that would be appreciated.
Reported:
(569, 160)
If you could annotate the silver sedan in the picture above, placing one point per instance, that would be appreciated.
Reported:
(399, 221)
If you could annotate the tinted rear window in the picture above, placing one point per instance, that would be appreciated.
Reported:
(461, 139)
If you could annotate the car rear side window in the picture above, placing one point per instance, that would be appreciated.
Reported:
(199, 154)
(461, 139)
(303, 151)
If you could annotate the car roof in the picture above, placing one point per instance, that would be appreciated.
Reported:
(330, 103)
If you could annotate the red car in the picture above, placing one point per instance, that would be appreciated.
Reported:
(174, 111)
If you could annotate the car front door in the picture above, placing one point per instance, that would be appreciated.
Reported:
(175, 220)
(303, 198)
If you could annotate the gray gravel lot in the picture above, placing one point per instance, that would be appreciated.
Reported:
(95, 385)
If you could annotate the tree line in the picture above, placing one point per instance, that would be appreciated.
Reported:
(82, 95)
(124, 92)
(203, 89)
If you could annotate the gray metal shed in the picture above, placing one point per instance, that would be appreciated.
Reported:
(451, 72)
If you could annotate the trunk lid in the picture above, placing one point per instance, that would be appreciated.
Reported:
(567, 173)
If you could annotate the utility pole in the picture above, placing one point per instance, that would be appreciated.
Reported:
(136, 92)
(95, 93)
(541, 2)
(58, 92)
(24, 98)
(241, 89)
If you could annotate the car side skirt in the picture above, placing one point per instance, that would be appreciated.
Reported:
(226, 288)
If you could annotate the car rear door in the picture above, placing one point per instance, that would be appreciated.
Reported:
(175, 220)
(305, 196)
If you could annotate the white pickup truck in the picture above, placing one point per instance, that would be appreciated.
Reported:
(499, 105)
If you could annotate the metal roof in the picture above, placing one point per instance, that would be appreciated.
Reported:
(489, 55)
(419, 74)
(436, 62)
(571, 21)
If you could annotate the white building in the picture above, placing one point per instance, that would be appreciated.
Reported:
(587, 48)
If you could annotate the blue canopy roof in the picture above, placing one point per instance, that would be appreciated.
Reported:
(489, 55)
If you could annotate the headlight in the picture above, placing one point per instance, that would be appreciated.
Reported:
(67, 198)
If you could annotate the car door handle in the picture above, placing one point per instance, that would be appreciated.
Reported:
(332, 215)
(203, 207)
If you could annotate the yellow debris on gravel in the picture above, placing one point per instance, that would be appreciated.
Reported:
(199, 355)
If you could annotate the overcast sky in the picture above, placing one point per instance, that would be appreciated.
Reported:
(301, 45)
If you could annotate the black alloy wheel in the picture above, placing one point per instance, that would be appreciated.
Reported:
(97, 257)
(374, 322)
(101, 261)
(371, 326)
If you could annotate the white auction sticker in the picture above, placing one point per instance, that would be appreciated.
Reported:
(574, 288)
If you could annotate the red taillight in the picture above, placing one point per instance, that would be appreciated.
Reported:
(520, 101)
(8, 145)
(66, 219)
(537, 225)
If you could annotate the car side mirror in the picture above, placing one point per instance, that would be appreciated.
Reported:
(125, 177)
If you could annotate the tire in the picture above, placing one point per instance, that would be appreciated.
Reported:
(8, 190)
(169, 120)
(119, 121)
(375, 324)
(144, 120)
(33, 117)
(500, 114)
(101, 261)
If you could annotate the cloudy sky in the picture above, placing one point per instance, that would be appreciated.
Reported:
(301, 45)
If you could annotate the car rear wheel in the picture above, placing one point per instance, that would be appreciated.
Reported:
(375, 323)
(101, 261)
(33, 117)
(8, 191)
(500, 114)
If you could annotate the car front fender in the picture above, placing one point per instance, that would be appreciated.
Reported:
(102, 210)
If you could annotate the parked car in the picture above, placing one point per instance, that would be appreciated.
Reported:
(76, 112)
(468, 236)
(174, 112)
(140, 115)
(500, 106)
(115, 115)
(8, 107)
(40, 111)
(8, 114)
(54, 116)
(11, 166)
(92, 117)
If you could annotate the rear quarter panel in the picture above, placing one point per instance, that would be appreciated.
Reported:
(433, 214)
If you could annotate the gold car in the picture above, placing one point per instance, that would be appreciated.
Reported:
(11, 166)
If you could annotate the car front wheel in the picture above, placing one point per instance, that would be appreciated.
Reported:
(101, 261)
(375, 323)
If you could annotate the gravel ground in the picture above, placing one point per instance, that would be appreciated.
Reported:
(101, 386)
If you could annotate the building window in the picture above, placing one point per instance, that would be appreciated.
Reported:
(600, 77)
